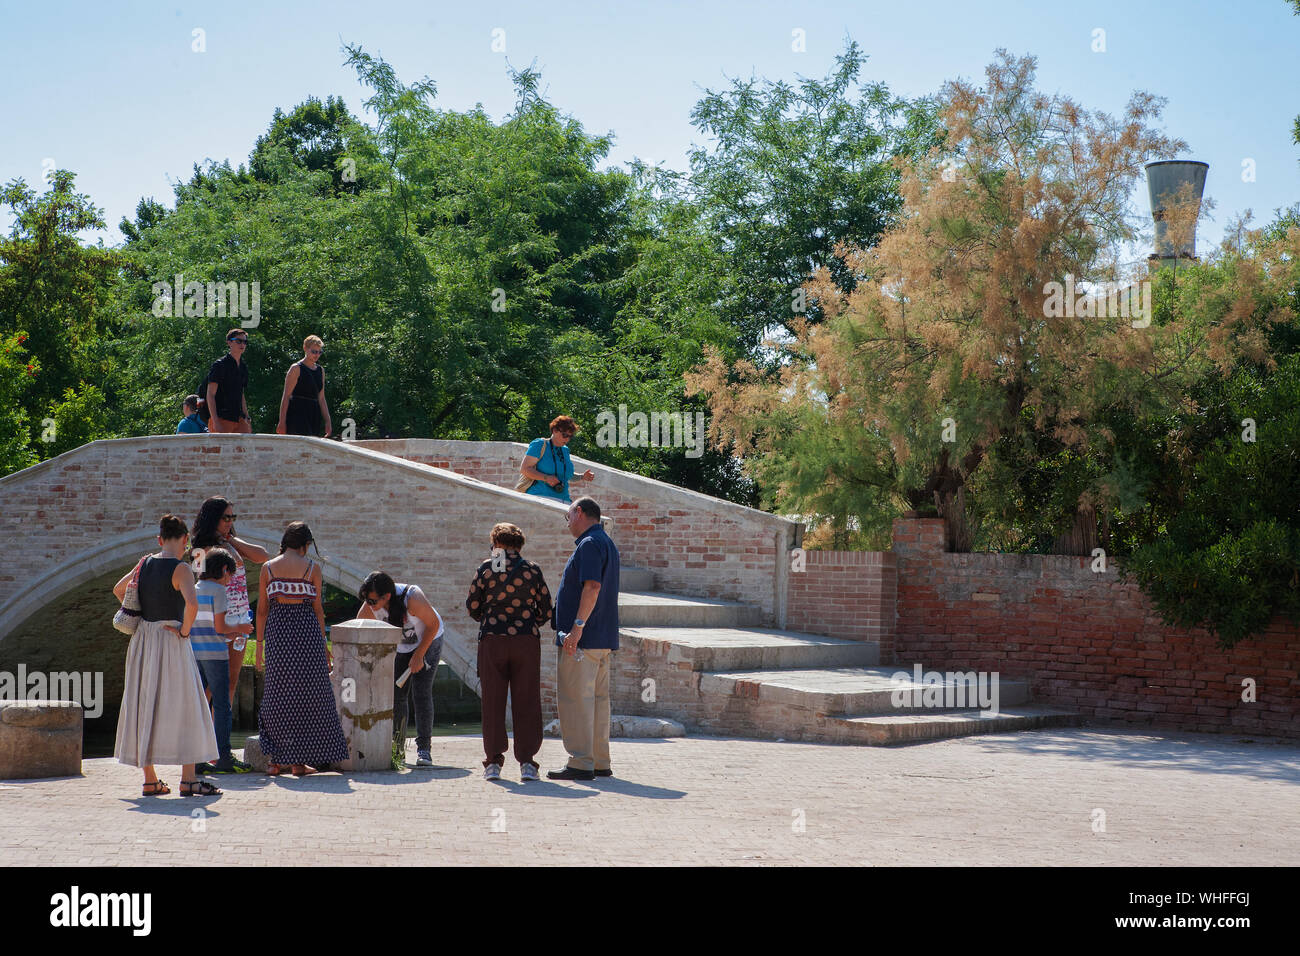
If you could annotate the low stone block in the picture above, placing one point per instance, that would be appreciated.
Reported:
(253, 755)
(630, 726)
(621, 725)
(40, 738)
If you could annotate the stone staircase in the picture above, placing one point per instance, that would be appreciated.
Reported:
(706, 663)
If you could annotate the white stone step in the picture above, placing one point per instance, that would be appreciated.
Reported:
(729, 648)
(883, 729)
(653, 608)
(849, 690)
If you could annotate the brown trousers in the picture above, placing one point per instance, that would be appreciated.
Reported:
(513, 664)
(583, 691)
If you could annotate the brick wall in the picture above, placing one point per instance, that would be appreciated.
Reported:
(1086, 641)
(846, 594)
(695, 544)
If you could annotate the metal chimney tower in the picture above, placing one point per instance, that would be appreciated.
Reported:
(1167, 183)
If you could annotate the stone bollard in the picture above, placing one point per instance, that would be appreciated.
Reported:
(40, 738)
(363, 690)
(253, 755)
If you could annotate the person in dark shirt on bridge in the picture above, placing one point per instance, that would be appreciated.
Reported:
(302, 406)
(227, 379)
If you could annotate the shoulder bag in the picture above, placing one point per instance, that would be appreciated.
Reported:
(127, 618)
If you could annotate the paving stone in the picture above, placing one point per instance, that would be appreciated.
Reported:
(1028, 798)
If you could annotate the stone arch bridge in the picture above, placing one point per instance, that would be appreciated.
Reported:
(707, 588)
(418, 509)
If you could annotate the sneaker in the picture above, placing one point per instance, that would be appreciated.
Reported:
(230, 765)
(423, 759)
(528, 771)
(203, 768)
(492, 771)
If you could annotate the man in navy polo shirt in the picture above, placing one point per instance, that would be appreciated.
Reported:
(587, 608)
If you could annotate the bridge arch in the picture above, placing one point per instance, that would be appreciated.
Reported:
(92, 510)
(420, 509)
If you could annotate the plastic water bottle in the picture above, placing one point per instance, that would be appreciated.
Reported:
(577, 651)
(245, 617)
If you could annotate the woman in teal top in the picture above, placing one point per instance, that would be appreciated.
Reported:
(548, 463)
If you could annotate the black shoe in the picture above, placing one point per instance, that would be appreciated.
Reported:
(203, 768)
(603, 773)
(570, 773)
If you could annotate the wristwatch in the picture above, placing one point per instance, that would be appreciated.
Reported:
(579, 622)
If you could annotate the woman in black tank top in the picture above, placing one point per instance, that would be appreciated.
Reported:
(164, 716)
(159, 599)
(303, 405)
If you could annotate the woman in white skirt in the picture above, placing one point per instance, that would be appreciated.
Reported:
(164, 716)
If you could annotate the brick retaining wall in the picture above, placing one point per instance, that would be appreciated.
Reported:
(1086, 641)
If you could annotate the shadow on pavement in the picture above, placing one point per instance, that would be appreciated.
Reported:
(1236, 754)
(174, 805)
(542, 788)
(630, 789)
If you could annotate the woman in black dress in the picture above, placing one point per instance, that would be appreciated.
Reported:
(298, 719)
(303, 406)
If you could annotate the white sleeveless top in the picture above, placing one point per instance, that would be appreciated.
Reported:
(412, 628)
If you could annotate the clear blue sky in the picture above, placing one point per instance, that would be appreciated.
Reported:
(114, 92)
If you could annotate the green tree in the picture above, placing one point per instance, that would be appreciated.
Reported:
(313, 137)
(791, 172)
(58, 293)
(1226, 552)
(17, 373)
(949, 349)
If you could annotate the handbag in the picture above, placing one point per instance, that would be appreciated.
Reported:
(523, 483)
(127, 618)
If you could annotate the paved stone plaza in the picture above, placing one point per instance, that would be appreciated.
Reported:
(1027, 798)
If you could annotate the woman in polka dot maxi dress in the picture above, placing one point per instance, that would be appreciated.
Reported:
(298, 720)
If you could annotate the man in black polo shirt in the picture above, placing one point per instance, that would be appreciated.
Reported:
(227, 380)
(587, 608)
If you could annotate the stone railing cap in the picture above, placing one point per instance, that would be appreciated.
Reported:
(364, 631)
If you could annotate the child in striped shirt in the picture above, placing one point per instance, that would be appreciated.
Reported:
(208, 639)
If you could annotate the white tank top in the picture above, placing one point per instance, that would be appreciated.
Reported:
(412, 628)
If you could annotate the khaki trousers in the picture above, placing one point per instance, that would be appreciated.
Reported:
(583, 691)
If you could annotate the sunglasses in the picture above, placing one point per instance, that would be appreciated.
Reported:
(372, 601)
(238, 341)
(315, 352)
(229, 517)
